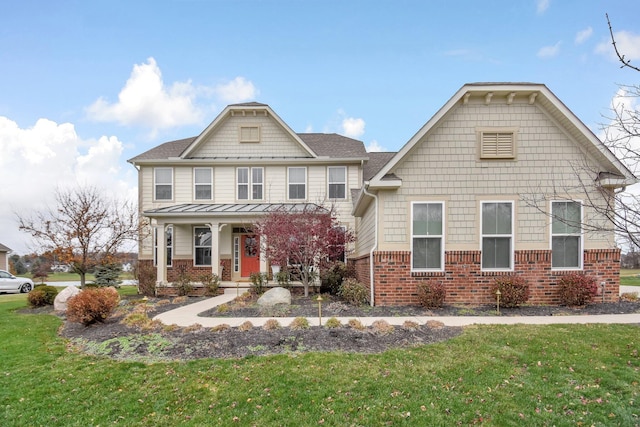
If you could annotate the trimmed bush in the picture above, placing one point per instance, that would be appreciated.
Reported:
(514, 290)
(42, 295)
(431, 294)
(356, 324)
(354, 292)
(271, 324)
(299, 323)
(211, 283)
(332, 322)
(245, 326)
(577, 289)
(92, 305)
(382, 327)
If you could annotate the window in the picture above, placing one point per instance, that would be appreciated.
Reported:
(497, 235)
(203, 183)
(202, 245)
(338, 247)
(250, 134)
(497, 145)
(566, 235)
(163, 180)
(297, 183)
(427, 244)
(337, 182)
(168, 245)
(250, 178)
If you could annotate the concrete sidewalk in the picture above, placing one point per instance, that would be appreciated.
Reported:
(188, 315)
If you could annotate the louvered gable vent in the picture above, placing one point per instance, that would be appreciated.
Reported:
(498, 145)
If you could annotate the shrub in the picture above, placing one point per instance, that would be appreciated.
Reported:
(220, 328)
(514, 290)
(245, 326)
(332, 322)
(184, 281)
(577, 289)
(42, 295)
(354, 292)
(222, 308)
(146, 275)
(382, 327)
(211, 283)
(431, 294)
(196, 327)
(356, 324)
(282, 277)
(332, 277)
(410, 325)
(299, 323)
(271, 324)
(258, 282)
(136, 319)
(92, 305)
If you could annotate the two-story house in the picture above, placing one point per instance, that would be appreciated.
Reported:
(503, 180)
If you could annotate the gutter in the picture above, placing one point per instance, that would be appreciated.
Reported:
(375, 242)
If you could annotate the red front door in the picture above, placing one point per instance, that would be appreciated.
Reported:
(249, 255)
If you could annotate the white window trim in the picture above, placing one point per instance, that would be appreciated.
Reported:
(441, 236)
(195, 184)
(193, 234)
(551, 235)
(289, 183)
(155, 185)
(249, 140)
(329, 183)
(168, 260)
(512, 236)
(249, 183)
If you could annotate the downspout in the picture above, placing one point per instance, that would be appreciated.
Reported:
(375, 242)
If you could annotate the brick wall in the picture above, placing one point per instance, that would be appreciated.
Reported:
(467, 284)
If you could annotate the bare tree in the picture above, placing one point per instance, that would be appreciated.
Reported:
(625, 62)
(84, 229)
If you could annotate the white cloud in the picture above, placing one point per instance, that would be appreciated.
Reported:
(38, 160)
(145, 100)
(628, 45)
(549, 51)
(583, 36)
(542, 6)
(237, 90)
(353, 127)
(374, 146)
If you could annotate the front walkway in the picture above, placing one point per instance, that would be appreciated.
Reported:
(188, 315)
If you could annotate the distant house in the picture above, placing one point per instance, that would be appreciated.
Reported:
(4, 257)
(495, 184)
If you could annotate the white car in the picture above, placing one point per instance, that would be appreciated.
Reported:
(11, 283)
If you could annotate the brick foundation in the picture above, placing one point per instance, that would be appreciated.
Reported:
(465, 283)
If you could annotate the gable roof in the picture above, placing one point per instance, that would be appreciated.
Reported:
(317, 145)
(538, 94)
(4, 248)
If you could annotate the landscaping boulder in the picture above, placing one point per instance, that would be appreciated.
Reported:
(275, 296)
(60, 303)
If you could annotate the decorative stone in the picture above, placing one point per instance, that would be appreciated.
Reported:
(275, 296)
(60, 303)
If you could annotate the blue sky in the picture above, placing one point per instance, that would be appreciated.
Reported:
(86, 85)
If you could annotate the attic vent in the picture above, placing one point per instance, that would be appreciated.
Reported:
(250, 134)
(497, 145)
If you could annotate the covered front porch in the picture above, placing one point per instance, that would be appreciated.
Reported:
(209, 239)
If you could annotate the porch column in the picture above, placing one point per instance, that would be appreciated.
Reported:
(215, 248)
(161, 255)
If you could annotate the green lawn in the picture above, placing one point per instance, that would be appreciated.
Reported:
(73, 277)
(490, 375)
(630, 277)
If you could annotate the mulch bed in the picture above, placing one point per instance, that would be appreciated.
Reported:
(158, 342)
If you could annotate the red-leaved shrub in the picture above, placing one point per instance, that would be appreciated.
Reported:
(92, 305)
(431, 294)
(514, 290)
(577, 289)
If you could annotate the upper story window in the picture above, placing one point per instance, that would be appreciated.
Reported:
(337, 182)
(203, 183)
(566, 235)
(500, 144)
(497, 235)
(297, 183)
(250, 133)
(250, 183)
(168, 245)
(163, 181)
(427, 233)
